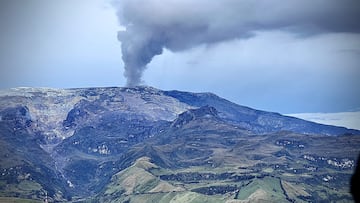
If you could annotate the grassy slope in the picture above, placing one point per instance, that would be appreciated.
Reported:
(17, 200)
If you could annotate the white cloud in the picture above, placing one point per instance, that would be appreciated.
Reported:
(345, 119)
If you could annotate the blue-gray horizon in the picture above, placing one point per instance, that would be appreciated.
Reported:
(349, 120)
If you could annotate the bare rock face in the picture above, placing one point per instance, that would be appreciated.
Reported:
(92, 143)
(56, 112)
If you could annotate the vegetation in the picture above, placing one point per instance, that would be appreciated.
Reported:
(146, 145)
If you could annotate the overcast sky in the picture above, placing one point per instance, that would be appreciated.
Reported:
(296, 57)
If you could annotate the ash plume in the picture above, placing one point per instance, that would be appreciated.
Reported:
(177, 25)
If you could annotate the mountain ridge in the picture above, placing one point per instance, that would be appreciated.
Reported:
(210, 147)
(263, 121)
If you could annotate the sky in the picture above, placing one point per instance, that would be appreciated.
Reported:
(297, 57)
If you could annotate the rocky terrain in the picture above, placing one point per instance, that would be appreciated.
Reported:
(147, 145)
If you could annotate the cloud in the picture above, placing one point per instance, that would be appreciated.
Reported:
(346, 119)
(177, 25)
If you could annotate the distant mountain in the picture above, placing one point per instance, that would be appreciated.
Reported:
(142, 144)
(255, 120)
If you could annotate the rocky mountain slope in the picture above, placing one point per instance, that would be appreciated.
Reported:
(142, 144)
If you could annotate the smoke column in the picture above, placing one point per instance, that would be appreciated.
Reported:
(177, 25)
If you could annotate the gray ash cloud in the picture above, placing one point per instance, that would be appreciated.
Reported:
(177, 25)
